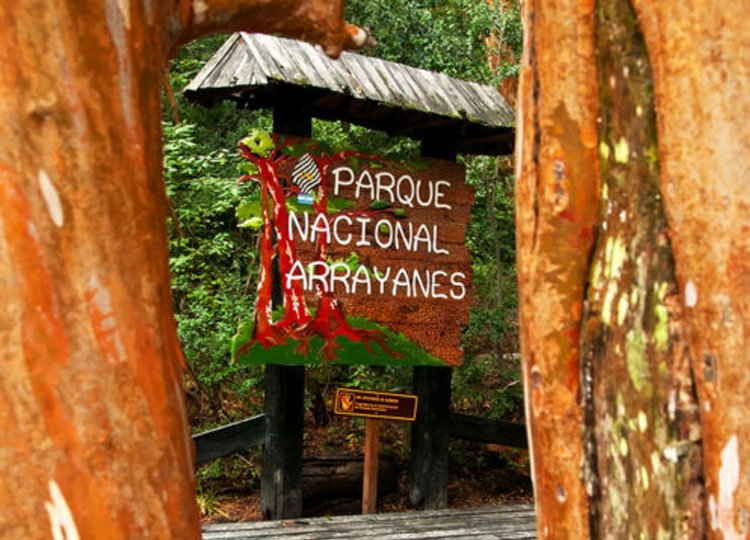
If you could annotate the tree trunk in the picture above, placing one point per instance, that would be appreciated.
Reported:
(557, 193)
(94, 436)
(643, 430)
(665, 287)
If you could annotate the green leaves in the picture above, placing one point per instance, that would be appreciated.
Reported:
(247, 167)
(379, 205)
(293, 206)
(339, 204)
(259, 143)
(446, 35)
(250, 213)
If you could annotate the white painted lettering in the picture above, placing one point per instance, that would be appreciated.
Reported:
(361, 277)
(383, 228)
(423, 236)
(321, 277)
(436, 284)
(382, 186)
(365, 182)
(338, 181)
(294, 224)
(320, 226)
(439, 194)
(382, 278)
(343, 277)
(401, 239)
(297, 273)
(363, 241)
(437, 249)
(420, 284)
(401, 280)
(348, 238)
(457, 281)
(405, 196)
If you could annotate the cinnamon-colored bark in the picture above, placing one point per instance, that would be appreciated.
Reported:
(93, 436)
(557, 194)
(700, 52)
(663, 341)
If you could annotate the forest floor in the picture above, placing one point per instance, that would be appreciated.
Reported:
(480, 474)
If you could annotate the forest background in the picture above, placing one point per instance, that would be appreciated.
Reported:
(214, 263)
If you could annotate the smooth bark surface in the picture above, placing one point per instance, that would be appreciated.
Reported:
(93, 434)
(700, 52)
(557, 194)
(663, 341)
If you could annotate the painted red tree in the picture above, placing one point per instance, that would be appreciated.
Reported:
(328, 320)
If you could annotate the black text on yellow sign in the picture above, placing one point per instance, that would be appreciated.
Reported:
(374, 404)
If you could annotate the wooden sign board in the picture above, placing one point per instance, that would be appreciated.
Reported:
(373, 260)
(374, 404)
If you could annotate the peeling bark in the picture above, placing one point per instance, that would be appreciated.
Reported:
(643, 426)
(700, 51)
(94, 438)
(556, 209)
(664, 337)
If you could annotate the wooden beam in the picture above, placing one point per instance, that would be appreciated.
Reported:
(476, 428)
(226, 440)
(430, 434)
(281, 480)
(290, 115)
(440, 147)
(484, 523)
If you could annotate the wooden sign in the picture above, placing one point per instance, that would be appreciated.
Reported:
(372, 256)
(375, 404)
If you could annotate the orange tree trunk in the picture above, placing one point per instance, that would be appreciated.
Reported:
(93, 434)
(633, 217)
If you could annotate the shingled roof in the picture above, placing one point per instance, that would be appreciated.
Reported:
(263, 71)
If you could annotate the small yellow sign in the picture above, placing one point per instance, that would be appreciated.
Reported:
(375, 404)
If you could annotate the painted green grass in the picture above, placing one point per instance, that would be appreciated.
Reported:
(350, 352)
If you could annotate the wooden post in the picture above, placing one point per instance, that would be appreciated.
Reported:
(430, 434)
(281, 480)
(370, 478)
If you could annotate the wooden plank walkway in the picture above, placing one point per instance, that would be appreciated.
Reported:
(515, 522)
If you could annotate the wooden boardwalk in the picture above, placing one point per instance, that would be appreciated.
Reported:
(499, 523)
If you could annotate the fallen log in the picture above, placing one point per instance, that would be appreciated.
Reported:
(341, 476)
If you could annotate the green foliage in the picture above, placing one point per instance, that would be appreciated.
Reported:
(446, 36)
(508, 30)
(259, 142)
(491, 240)
(208, 268)
(213, 262)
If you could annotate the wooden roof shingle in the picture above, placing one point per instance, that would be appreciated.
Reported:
(265, 71)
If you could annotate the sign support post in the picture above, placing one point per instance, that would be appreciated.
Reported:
(429, 463)
(370, 479)
(374, 406)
